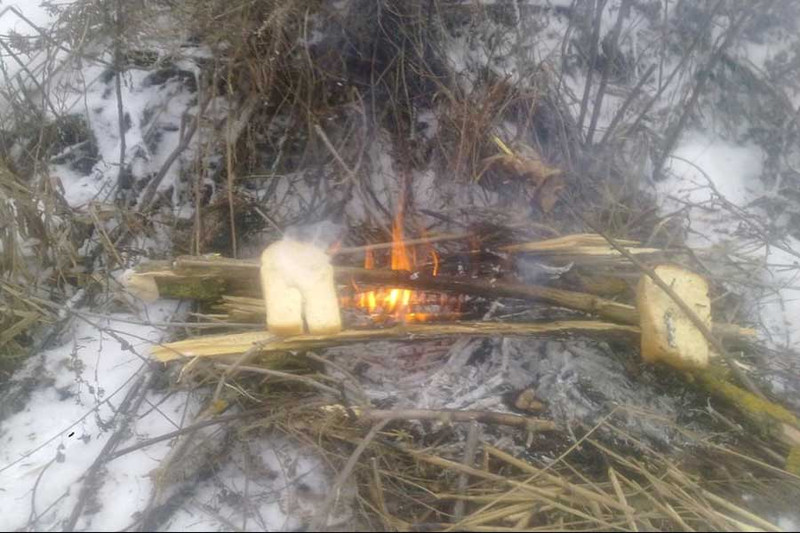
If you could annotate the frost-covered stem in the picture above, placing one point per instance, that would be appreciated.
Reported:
(624, 10)
(702, 79)
(598, 17)
(118, 87)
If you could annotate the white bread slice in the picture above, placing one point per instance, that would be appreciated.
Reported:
(297, 278)
(668, 335)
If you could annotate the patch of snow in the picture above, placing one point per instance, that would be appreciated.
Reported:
(788, 523)
(49, 445)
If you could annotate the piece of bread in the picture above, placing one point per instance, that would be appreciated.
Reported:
(297, 279)
(668, 335)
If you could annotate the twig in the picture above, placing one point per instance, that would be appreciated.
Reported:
(278, 374)
(127, 407)
(471, 446)
(620, 114)
(407, 242)
(690, 314)
(320, 521)
(598, 16)
(229, 167)
(188, 429)
(118, 89)
(329, 145)
(232, 369)
(702, 77)
(624, 10)
(148, 197)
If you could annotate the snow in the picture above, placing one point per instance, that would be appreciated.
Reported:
(34, 11)
(51, 443)
(733, 170)
(47, 448)
(39, 18)
(154, 112)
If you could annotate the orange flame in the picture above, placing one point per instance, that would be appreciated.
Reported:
(396, 302)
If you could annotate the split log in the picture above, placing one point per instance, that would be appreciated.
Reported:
(205, 278)
(235, 344)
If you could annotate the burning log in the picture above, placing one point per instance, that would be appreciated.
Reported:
(207, 278)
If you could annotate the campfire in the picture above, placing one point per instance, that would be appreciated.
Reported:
(409, 295)
(385, 304)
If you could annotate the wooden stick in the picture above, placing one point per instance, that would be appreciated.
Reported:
(235, 344)
(206, 278)
(407, 242)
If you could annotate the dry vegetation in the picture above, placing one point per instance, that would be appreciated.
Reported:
(309, 88)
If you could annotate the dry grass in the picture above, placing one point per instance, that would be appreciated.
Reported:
(409, 476)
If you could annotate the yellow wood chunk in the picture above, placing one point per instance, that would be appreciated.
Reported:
(297, 281)
(668, 335)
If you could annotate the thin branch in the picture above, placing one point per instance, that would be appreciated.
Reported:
(282, 375)
(189, 429)
(118, 67)
(596, 20)
(129, 406)
(702, 78)
(320, 521)
(148, 197)
(448, 416)
(408, 242)
(624, 10)
(620, 114)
